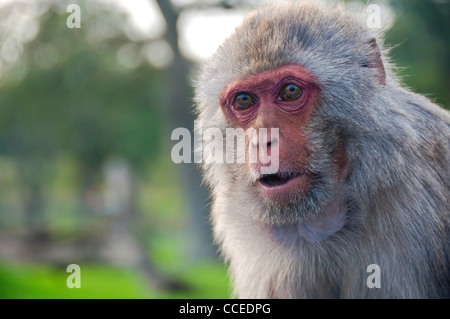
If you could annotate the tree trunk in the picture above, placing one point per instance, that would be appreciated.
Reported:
(181, 115)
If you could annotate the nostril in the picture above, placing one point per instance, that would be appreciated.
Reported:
(265, 140)
(272, 142)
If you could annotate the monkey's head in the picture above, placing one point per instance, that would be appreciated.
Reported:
(310, 72)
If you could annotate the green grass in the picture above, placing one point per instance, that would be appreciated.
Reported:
(19, 281)
(208, 281)
(25, 281)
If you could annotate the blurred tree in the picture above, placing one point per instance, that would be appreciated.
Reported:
(420, 37)
(84, 105)
(182, 115)
(72, 98)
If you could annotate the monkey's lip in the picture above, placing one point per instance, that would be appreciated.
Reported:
(283, 184)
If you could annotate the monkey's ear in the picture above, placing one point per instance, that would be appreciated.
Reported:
(375, 61)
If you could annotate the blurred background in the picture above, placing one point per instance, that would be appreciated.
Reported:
(86, 116)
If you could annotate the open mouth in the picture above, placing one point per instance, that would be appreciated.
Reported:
(279, 179)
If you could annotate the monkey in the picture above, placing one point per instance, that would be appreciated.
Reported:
(363, 176)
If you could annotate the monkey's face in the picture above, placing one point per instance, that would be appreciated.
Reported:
(275, 71)
(286, 98)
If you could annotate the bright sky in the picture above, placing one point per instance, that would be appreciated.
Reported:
(201, 33)
(145, 18)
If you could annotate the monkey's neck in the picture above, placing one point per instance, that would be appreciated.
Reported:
(324, 225)
(317, 228)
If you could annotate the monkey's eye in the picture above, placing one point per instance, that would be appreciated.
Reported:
(243, 101)
(291, 92)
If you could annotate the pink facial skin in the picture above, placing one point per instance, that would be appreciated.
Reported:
(269, 110)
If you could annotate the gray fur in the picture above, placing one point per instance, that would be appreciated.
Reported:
(397, 191)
